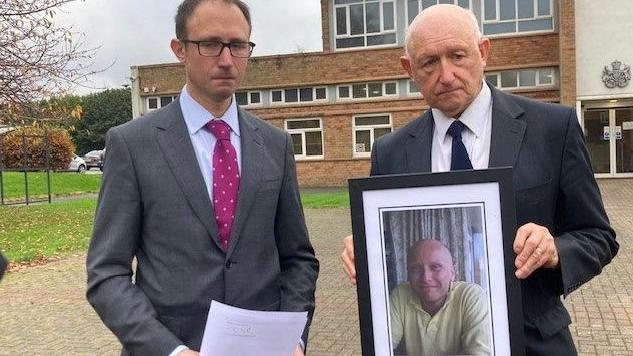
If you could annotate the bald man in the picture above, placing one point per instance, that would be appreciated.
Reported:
(432, 313)
(564, 237)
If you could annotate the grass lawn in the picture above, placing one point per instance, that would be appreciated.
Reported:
(326, 199)
(45, 231)
(42, 232)
(62, 184)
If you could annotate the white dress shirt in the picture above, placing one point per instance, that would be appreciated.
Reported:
(203, 141)
(476, 136)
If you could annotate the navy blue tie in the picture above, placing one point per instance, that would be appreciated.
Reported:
(459, 156)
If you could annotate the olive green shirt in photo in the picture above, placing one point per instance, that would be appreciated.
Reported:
(460, 327)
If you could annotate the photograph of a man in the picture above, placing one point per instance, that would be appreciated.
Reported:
(432, 313)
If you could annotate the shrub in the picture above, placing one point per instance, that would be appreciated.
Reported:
(30, 143)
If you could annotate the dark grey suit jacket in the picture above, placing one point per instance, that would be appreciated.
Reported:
(554, 187)
(154, 206)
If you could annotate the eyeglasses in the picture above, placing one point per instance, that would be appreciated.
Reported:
(215, 48)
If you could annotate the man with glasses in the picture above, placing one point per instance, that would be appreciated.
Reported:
(204, 195)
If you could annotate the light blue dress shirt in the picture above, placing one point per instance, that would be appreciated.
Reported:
(203, 141)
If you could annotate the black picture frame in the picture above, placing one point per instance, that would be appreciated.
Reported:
(389, 212)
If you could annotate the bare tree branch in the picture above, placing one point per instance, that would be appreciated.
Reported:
(38, 60)
(23, 8)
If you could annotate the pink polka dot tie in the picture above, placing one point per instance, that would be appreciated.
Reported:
(226, 180)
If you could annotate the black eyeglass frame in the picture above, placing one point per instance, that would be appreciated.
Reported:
(224, 45)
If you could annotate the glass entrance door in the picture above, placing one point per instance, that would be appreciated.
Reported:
(624, 140)
(609, 136)
(597, 135)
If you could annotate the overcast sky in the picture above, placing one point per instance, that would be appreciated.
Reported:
(137, 32)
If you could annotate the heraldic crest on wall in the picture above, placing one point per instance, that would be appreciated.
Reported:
(618, 76)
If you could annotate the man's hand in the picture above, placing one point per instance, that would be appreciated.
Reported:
(535, 248)
(298, 351)
(188, 353)
(347, 256)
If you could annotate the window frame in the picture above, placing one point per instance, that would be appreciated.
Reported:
(406, 8)
(413, 93)
(365, 34)
(537, 79)
(249, 101)
(350, 89)
(158, 101)
(302, 132)
(371, 129)
(516, 20)
(299, 101)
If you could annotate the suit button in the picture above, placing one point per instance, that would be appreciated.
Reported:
(228, 264)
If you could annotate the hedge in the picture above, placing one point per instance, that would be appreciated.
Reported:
(13, 149)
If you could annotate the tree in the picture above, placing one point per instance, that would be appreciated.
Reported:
(38, 61)
(101, 111)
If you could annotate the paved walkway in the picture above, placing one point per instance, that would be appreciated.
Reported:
(43, 310)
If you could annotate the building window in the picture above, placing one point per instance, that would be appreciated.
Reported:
(152, 103)
(276, 96)
(364, 23)
(291, 95)
(522, 78)
(412, 89)
(415, 6)
(320, 93)
(368, 128)
(512, 16)
(367, 90)
(298, 95)
(307, 137)
(157, 102)
(248, 98)
(343, 92)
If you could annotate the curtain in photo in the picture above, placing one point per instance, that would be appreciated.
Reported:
(459, 228)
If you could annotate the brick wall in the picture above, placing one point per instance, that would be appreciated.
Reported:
(165, 78)
(323, 68)
(325, 26)
(567, 29)
(352, 66)
(524, 52)
(311, 174)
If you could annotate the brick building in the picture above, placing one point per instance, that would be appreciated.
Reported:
(335, 103)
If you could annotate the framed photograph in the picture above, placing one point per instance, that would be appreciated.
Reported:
(435, 265)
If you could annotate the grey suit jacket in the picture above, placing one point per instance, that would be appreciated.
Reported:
(554, 187)
(154, 206)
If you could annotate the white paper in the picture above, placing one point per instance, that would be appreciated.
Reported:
(235, 331)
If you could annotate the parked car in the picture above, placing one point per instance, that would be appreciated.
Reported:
(77, 165)
(94, 158)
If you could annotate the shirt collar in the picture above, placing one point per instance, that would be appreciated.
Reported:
(196, 116)
(472, 117)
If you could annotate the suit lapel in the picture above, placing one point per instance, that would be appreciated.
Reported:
(418, 147)
(507, 130)
(175, 144)
(251, 173)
